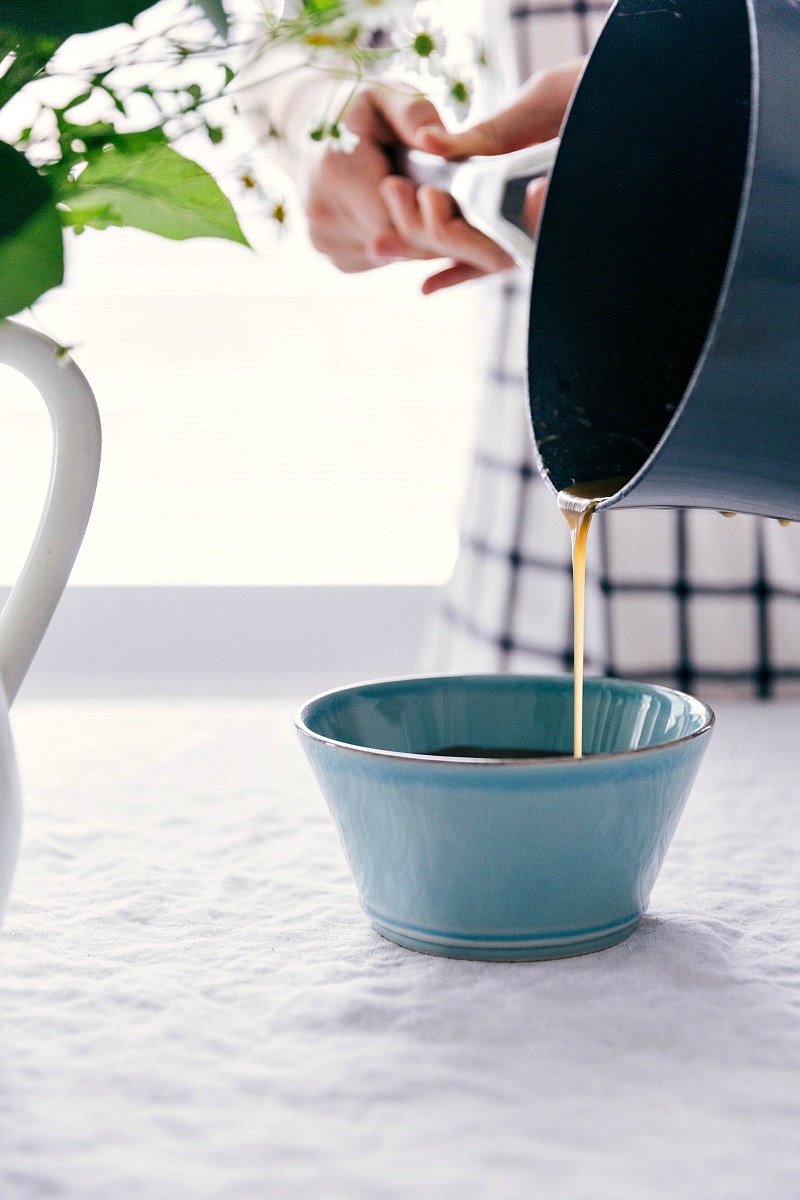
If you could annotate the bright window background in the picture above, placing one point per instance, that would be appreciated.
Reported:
(266, 420)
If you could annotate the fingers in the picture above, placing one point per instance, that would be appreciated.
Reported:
(534, 116)
(347, 254)
(428, 221)
(348, 218)
(485, 138)
(389, 247)
(333, 234)
(408, 238)
(342, 238)
(534, 203)
(452, 236)
(343, 205)
(450, 276)
(405, 114)
(361, 217)
(400, 197)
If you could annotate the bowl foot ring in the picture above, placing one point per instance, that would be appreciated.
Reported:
(534, 949)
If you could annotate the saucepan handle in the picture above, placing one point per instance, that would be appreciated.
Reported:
(489, 191)
(527, 164)
(73, 480)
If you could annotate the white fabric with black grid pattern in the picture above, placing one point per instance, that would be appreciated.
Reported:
(683, 598)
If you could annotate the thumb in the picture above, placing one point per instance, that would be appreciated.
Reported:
(535, 115)
(405, 114)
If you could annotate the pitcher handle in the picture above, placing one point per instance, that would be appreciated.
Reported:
(73, 481)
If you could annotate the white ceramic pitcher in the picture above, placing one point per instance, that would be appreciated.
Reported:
(73, 480)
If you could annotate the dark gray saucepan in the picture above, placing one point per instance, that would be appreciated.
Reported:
(664, 339)
(665, 307)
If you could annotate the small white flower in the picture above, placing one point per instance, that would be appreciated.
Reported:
(342, 140)
(273, 11)
(458, 95)
(422, 44)
(480, 51)
(339, 138)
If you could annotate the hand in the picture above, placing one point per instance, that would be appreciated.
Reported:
(358, 224)
(426, 222)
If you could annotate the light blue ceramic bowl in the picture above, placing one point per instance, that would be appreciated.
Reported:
(512, 858)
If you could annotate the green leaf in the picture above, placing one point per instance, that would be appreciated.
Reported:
(100, 135)
(79, 99)
(31, 245)
(128, 143)
(23, 191)
(61, 18)
(31, 52)
(31, 262)
(101, 216)
(153, 188)
(322, 7)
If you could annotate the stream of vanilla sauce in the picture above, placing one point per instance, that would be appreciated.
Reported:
(578, 504)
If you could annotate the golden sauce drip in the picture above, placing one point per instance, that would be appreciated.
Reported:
(578, 504)
(782, 521)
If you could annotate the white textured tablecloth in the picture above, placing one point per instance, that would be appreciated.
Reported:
(193, 1006)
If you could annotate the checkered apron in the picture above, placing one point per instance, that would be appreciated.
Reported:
(685, 598)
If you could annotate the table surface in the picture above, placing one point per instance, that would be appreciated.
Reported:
(193, 1005)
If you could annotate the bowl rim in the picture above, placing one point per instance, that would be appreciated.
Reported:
(562, 760)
